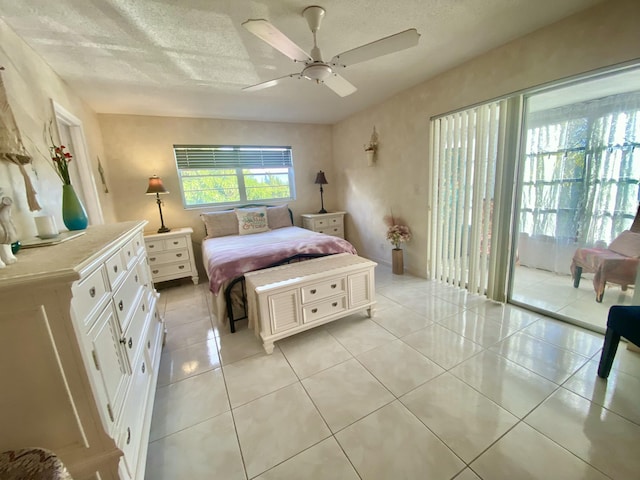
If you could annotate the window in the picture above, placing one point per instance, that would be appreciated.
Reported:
(227, 174)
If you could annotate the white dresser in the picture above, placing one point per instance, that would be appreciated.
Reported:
(329, 223)
(292, 298)
(171, 255)
(80, 342)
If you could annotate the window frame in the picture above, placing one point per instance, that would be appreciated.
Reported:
(232, 157)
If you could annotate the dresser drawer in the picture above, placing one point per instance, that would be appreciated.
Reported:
(89, 295)
(130, 438)
(168, 257)
(175, 243)
(133, 336)
(138, 243)
(116, 268)
(323, 309)
(129, 253)
(125, 298)
(153, 337)
(318, 291)
(171, 269)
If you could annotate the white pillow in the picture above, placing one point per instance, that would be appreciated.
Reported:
(252, 220)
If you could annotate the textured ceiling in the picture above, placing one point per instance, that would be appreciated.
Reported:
(192, 57)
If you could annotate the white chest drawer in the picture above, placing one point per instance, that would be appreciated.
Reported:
(320, 290)
(327, 223)
(171, 255)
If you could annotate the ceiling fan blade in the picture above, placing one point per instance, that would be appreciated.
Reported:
(384, 46)
(339, 85)
(269, 83)
(278, 40)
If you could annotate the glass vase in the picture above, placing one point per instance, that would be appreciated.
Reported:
(73, 213)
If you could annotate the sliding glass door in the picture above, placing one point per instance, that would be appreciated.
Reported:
(576, 245)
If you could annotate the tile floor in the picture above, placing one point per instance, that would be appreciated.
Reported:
(438, 385)
(555, 293)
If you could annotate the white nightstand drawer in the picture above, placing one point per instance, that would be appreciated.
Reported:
(323, 309)
(174, 243)
(318, 291)
(154, 246)
(336, 231)
(183, 268)
(169, 257)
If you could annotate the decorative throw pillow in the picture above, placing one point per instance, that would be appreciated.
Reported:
(627, 244)
(252, 220)
(278, 217)
(220, 224)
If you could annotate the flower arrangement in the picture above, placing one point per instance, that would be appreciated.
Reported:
(397, 232)
(61, 161)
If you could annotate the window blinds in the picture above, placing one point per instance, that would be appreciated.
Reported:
(204, 157)
(470, 200)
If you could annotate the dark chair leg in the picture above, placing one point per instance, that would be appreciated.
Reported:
(576, 277)
(609, 349)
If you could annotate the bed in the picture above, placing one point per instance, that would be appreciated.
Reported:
(229, 251)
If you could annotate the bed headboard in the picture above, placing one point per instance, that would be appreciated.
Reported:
(216, 224)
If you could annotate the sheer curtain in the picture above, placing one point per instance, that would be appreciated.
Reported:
(579, 176)
(471, 191)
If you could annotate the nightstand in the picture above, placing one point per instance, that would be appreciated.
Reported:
(171, 255)
(329, 223)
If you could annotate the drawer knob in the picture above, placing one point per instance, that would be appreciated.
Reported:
(115, 268)
(136, 278)
(121, 305)
(334, 304)
(143, 367)
(154, 271)
(178, 255)
(143, 307)
(92, 292)
(130, 343)
(181, 267)
(151, 246)
(149, 344)
(314, 310)
(128, 435)
(123, 341)
(334, 285)
(128, 253)
(312, 291)
(175, 243)
(152, 259)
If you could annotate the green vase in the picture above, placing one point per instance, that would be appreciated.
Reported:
(74, 215)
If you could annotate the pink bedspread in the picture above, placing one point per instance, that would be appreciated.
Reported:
(229, 257)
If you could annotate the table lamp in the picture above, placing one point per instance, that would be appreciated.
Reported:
(156, 186)
(321, 180)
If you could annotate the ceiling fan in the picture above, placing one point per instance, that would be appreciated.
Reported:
(315, 68)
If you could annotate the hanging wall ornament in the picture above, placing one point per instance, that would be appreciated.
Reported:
(11, 147)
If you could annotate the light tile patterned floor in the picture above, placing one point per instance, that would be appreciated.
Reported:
(440, 384)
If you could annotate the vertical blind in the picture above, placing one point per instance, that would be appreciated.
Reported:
(469, 176)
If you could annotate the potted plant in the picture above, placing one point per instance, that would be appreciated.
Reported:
(397, 234)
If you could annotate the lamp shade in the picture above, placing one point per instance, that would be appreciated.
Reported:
(321, 179)
(156, 186)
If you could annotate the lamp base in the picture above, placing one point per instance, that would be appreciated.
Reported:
(322, 211)
(163, 229)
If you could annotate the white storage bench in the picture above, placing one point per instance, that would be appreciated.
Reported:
(291, 298)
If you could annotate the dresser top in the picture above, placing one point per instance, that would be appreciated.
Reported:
(64, 261)
(318, 267)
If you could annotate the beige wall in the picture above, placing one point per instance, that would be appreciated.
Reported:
(140, 146)
(31, 85)
(605, 35)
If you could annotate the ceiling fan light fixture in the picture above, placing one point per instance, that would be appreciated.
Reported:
(317, 71)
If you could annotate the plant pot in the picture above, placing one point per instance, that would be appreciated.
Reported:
(73, 213)
(370, 154)
(397, 261)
